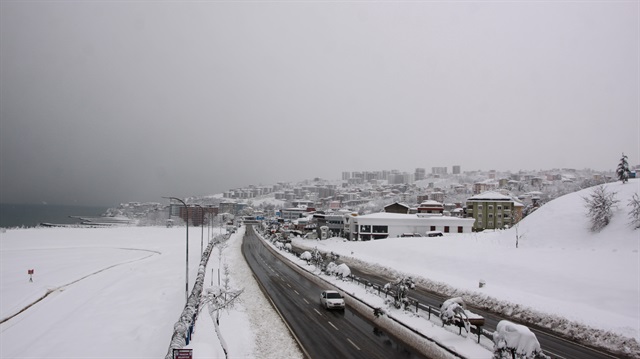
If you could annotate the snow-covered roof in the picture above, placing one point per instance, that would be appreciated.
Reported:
(430, 202)
(490, 196)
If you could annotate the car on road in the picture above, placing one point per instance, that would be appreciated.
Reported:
(331, 299)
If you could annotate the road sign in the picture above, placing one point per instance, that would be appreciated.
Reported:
(182, 353)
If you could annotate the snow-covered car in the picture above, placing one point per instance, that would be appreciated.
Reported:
(331, 299)
(434, 234)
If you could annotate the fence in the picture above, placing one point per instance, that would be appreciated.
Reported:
(424, 310)
(183, 329)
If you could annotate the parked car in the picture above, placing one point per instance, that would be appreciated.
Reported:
(331, 299)
(410, 235)
(434, 234)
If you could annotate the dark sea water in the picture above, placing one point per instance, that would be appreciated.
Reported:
(31, 215)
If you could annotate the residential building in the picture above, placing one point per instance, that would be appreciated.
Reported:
(492, 210)
(397, 207)
(431, 207)
(439, 170)
(293, 213)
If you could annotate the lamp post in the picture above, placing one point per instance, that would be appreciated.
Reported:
(186, 208)
(201, 227)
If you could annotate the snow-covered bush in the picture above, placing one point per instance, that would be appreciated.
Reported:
(450, 309)
(634, 213)
(339, 270)
(288, 247)
(279, 244)
(343, 271)
(331, 268)
(401, 290)
(306, 256)
(515, 341)
(600, 206)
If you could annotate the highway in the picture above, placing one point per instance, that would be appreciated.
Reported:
(320, 333)
(552, 344)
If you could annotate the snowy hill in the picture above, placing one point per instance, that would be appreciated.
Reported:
(560, 270)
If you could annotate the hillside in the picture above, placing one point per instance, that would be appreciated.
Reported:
(560, 269)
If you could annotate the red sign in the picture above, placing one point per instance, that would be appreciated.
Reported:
(182, 353)
(30, 271)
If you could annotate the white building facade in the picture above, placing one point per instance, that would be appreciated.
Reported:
(390, 225)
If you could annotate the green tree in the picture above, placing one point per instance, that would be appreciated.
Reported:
(623, 169)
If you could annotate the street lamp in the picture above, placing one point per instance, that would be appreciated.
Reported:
(201, 227)
(186, 293)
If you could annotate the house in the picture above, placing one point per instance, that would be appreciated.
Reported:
(390, 225)
(492, 210)
(430, 206)
(397, 207)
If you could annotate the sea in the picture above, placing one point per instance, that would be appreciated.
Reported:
(32, 215)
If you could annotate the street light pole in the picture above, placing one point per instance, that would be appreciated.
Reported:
(186, 208)
(201, 227)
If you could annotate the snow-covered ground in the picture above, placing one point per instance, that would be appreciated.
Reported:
(117, 292)
(560, 268)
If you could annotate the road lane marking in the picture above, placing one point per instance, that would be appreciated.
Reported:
(317, 311)
(354, 344)
(305, 300)
(289, 285)
(334, 327)
(296, 292)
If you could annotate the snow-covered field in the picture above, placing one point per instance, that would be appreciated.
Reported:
(117, 292)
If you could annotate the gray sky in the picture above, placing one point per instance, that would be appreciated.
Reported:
(105, 102)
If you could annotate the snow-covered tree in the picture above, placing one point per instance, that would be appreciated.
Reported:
(220, 298)
(623, 169)
(401, 291)
(634, 214)
(454, 308)
(600, 206)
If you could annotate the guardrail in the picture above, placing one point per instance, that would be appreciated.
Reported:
(426, 311)
(183, 329)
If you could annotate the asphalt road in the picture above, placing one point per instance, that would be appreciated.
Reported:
(552, 344)
(320, 332)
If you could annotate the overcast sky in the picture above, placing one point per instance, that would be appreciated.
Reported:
(105, 102)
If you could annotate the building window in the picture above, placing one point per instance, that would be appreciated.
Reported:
(459, 229)
(380, 229)
(446, 229)
(491, 207)
(479, 207)
(365, 229)
(490, 215)
(499, 208)
(490, 224)
(433, 228)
